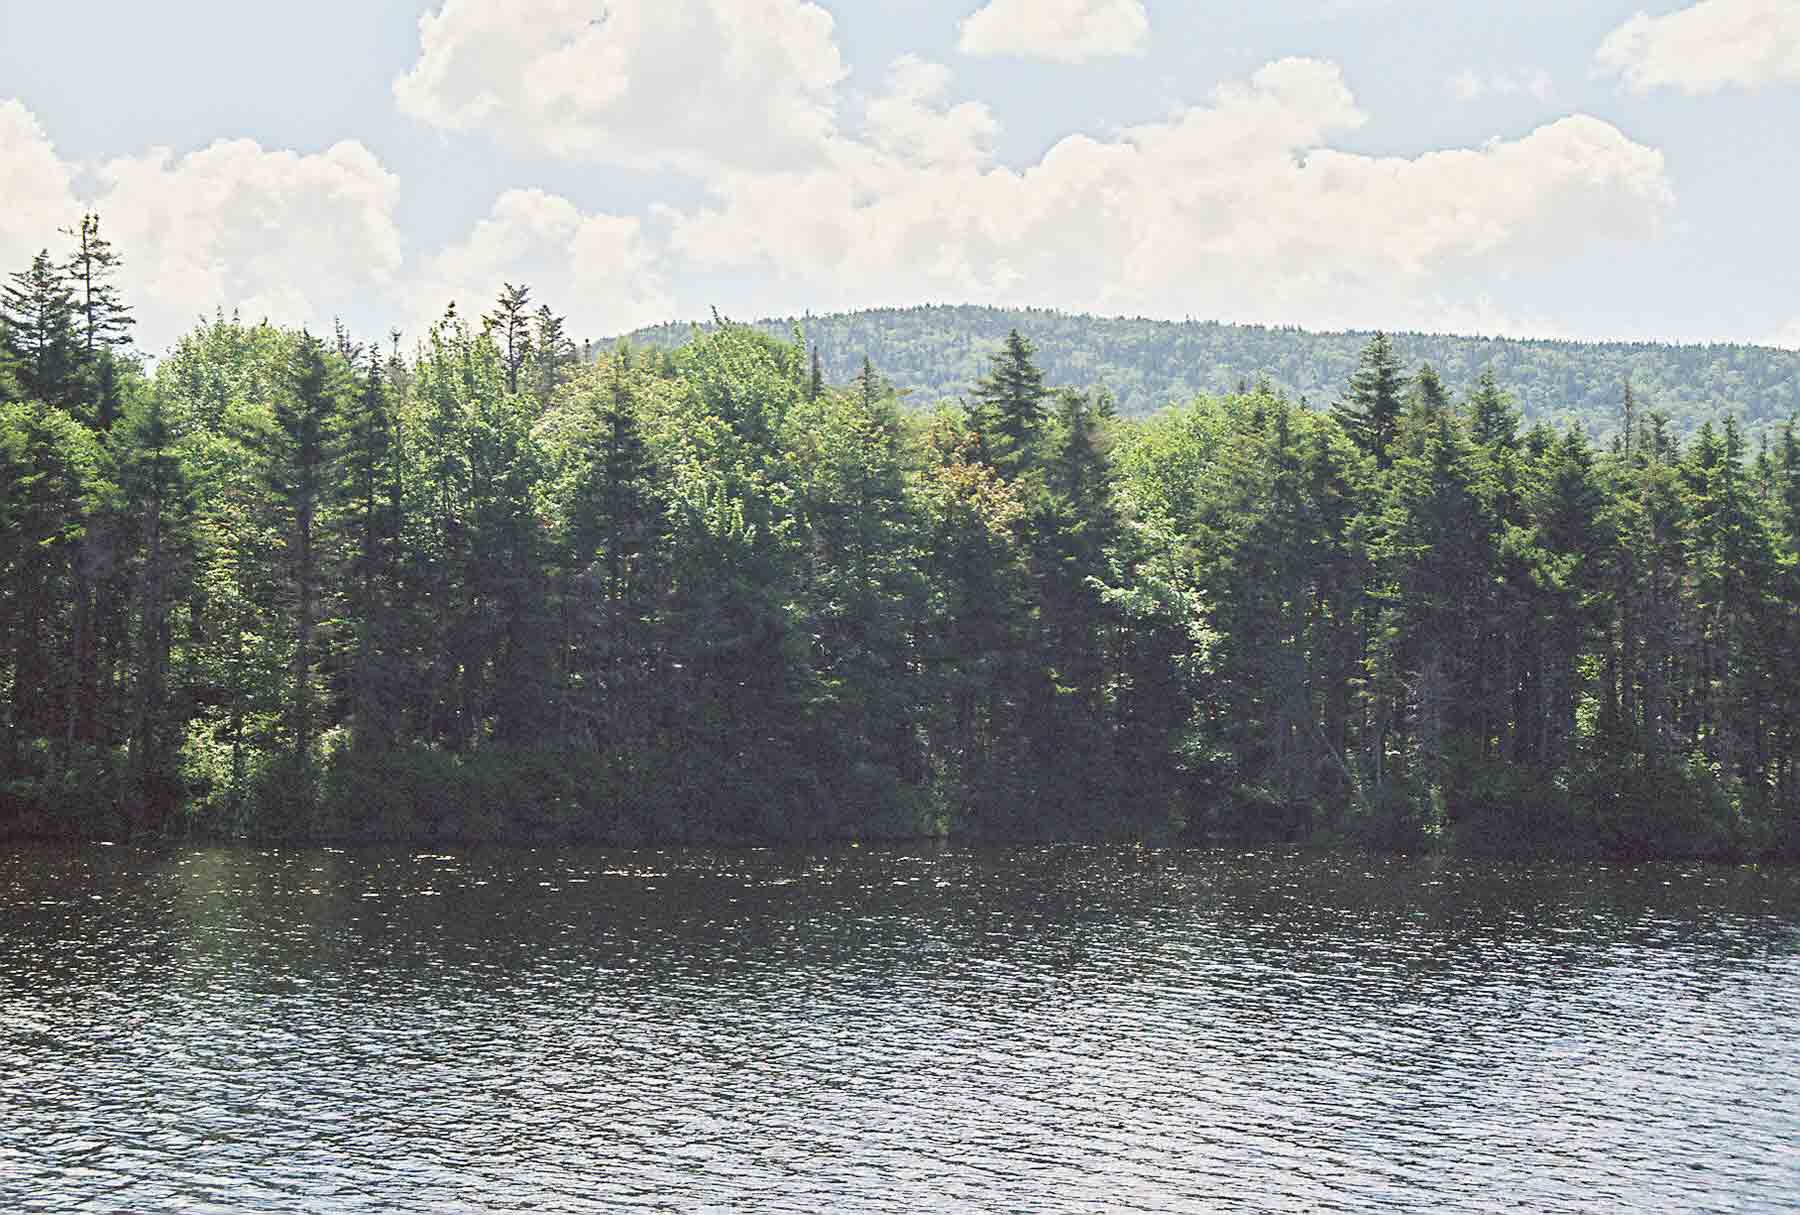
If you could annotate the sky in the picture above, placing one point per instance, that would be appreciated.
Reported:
(1534, 168)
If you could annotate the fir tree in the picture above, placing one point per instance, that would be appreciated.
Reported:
(105, 319)
(300, 466)
(37, 309)
(552, 356)
(1493, 420)
(1370, 414)
(1008, 409)
(511, 319)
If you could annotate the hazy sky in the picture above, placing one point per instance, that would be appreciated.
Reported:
(1585, 168)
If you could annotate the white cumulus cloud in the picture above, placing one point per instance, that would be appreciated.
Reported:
(1066, 31)
(691, 83)
(599, 270)
(40, 196)
(908, 123)
(1239, 208)
(298, 238)
(1707, 46)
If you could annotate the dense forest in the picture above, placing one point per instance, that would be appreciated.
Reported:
(939, 352)
(299, 586)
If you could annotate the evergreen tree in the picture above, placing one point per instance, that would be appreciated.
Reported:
(611, 523)
(156, 487)
(368, 521)
(1493, 420)
(1732, 558)
(1370, 414)
(103, 321)
(42, 351)
(301, 459)
(1073, 529)
(1438, 554)
(1007, 413)
(49, 480)
(511, 319)
(552, 355)
(1426, 399)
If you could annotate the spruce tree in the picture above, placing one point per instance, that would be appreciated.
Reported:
(368, 521)
(1008, 412)
(37, 314)
(1493, 420)
(105, 319)
(511, 320)
(1370, 414)
(156, 486)
(300, 466)
(552, 355)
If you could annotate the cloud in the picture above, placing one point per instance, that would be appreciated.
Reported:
(598, 267)
(305, 238)
(1239, 208)
(1788, 337)
(1706, 47)
(1066, 31)
(297, 238)
(1470, 85)
(689, 83)
(906, 123)
(40, 196)
(302, 239)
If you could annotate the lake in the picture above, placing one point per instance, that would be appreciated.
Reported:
(865, 1030)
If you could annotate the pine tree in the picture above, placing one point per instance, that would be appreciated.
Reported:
(610, 519)
(1370, 414)
(37, 309)
(300, 469)
(103, 320)
(1426, 399)
(1008, 409)
(1732, 558)
(512, 321)
(50, 479)
(552, 356)
(157, 488)
(1493, 419)
(1784, 661)
(369, 522)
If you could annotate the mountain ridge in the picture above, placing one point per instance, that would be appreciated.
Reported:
(938, 351)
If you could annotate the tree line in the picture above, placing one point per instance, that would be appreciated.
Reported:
(943, 350)
(293, 586)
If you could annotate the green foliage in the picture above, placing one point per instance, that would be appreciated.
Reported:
(287, 589)
(1662, 806)
(1510, 812)
(943, 351)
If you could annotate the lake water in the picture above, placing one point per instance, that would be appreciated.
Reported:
(892, 1030)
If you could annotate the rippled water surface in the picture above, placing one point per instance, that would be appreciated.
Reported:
(867, 1030)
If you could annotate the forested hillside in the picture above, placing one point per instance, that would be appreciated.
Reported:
(290, 586)
(943, 351)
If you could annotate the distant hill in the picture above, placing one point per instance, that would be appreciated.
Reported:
(940, 351)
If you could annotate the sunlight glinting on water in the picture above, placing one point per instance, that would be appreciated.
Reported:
(1065, 1029)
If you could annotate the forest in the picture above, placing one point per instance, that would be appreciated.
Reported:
(291, 586)
(937, 351)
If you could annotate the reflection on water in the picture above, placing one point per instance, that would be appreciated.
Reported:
(868, 1030)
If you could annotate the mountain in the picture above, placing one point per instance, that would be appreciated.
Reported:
(939, 351)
